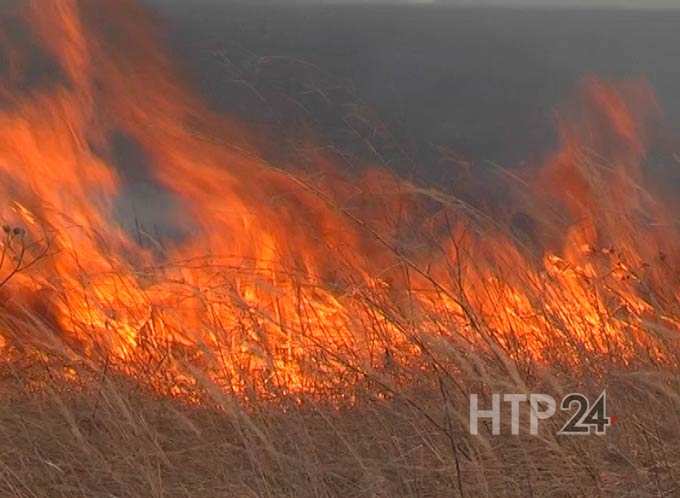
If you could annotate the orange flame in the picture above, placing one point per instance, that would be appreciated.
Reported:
(260, 266)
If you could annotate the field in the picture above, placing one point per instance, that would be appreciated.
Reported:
(112, 438)
(273, 251)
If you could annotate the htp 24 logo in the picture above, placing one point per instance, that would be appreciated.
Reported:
(586, 419)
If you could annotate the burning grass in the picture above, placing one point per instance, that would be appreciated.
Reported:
(73, 430)
(306, 332)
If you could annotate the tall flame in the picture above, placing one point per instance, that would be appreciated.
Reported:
(292, 281)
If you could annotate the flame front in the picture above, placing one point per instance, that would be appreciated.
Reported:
(285, 282)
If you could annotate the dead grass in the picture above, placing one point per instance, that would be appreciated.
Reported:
(386, 413)
(77, 422)
(68, 430)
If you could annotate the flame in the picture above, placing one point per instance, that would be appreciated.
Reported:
(295, 282)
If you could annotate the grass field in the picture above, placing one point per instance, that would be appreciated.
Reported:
(100, 434)
(191, 306)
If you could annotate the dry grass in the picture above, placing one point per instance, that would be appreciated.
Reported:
(75, 421)
(70, 429)
(78, 422)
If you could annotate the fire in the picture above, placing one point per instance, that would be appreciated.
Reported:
(269, 278)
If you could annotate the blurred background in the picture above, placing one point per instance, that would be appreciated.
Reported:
(467, 83)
